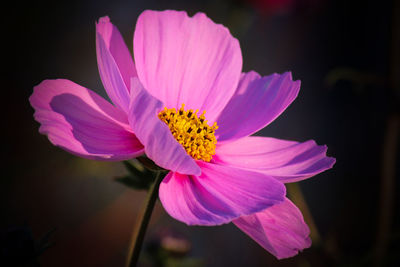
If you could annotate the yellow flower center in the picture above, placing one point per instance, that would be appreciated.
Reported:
(191, 131)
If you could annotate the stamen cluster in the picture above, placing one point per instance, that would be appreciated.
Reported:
(191, 131)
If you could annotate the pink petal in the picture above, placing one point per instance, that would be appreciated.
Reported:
(117, 48)
(83, 123)
(115, 63)
(219, 195)
(256, 103)
(279, 229)
(188, 60)
(160, 145)
(287, 161)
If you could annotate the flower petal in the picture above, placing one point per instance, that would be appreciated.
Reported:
(256, 103)
(115, 63)
(118, 49)
(160, 145)
(288, 161)
(83, 123)
(279, 229)
(218, 195)
(188, 60)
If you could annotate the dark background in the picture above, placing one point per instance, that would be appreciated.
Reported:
(346, 53)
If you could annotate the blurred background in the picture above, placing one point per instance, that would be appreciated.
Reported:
(346, 54)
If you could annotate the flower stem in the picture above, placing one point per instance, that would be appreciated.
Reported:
(144, 219)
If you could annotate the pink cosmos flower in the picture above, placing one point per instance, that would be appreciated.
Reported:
(218, 172)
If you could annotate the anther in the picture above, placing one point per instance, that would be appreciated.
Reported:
(191, 131)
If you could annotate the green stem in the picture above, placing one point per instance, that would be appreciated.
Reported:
(144, 219)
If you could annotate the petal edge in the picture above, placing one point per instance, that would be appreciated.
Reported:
(83, 123)
(190, 60)
(219, 195)
(256, 103)
(159, 143)
(287, 161)
(280, 229)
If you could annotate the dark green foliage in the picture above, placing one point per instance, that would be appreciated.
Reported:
(141, 174)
